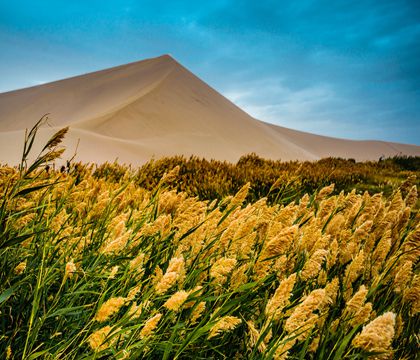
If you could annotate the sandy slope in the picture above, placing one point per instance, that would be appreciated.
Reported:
(155, 108)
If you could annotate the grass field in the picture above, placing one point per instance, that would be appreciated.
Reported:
(94, 265)
(212, 179)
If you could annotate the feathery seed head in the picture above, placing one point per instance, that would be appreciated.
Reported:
(377, 335)
(331, 290)
(170, 176)
(303, 319)
(282, 351)
(133, 292)
(253, 337)
(222, 268)
(150, 326)
(313, 265)
(225, 324)
(356, 302)
(166, 282)
(56, 139)
(325, 191)
(411, 197)
(113, 272)
(281, 242)
(175, 302)
(280, 298)
(20, 268)
(134, 311)
(137, 262)
(403, 276)
(109, 308)
(355, 268)
(70, 269)
(362, 315)
(98, 340)
(197, 311)
(240, 196)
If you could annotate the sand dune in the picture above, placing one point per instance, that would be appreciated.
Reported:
(156, 108)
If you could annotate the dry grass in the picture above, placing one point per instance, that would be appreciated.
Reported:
(92, 269)
(278, 181)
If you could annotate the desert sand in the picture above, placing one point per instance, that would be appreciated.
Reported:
(155, 108)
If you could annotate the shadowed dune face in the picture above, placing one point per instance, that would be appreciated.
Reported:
(156, 108)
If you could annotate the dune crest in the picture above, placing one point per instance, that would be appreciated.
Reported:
(155, 108)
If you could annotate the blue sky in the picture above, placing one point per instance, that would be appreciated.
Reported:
(341, 68)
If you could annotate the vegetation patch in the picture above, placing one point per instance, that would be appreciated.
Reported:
(96, 265)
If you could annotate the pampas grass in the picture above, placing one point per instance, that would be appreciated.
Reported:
(94, 267)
